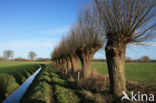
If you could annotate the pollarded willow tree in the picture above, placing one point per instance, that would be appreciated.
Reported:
(60, 54)
(125, 21)
(55, 56)
(83, 41)
(90, 37)
(72, 46)
(64, 47)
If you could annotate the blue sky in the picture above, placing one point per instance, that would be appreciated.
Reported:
(38, 25)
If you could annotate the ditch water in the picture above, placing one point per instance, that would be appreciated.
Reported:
(19, 92)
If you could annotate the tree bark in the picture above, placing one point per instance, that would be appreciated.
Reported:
(85, 59)
(85, 63)
(115, 54)
(68, 63)
(63, 63)
(74, 63)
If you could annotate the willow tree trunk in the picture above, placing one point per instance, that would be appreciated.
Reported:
(74, 63)
(59, 63)
(85, 59)
(85, 63)
(63, 63)
(115, 54)
(68, 63)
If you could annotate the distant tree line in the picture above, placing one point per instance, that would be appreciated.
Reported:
(128, 59)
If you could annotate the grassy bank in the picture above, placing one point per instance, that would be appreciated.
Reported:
(64, 90)
(13, 74)
(143, 73)
(52, 86)
(49, 87)
(40, 90)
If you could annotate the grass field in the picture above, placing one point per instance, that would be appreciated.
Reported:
(13, 74)
(143, 73)
(11, 66)
(40, 90)
(54, 87)
(51, 86)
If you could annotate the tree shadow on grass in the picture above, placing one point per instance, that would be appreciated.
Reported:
(73, 86)
(107, 96)
(33, 101)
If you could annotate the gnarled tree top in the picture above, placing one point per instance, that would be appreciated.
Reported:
(127, 20)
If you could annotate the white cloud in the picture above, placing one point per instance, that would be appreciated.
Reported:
(39, 43)
(152, 44)
(54, 31)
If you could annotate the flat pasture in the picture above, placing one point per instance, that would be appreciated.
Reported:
(11, 66)
(143, 73)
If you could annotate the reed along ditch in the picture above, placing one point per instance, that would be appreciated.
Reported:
(16, 95)
(50, 86)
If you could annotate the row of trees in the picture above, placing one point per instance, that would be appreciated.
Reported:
(9, 54)
(82, 42)
(111, 24)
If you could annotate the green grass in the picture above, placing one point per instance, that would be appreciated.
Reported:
(22, 74)
(65, 95)
(7, 85)
(63, 89)
(13, 74)
(11, 66)
(50, 85)
(143, 73)
(100, 67)
(46, 85)
(54, 85)
(40, 90)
